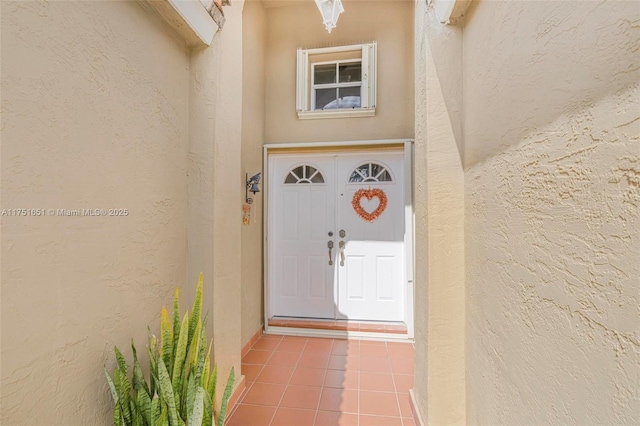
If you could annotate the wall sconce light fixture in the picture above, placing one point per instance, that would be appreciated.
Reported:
(252, 186)
(330, 11)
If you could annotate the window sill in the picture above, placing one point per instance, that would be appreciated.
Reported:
(337, 113)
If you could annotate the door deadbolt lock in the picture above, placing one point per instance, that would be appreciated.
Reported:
(342, 233)
(330, 233)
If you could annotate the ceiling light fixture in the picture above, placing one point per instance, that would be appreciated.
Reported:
(330, 11)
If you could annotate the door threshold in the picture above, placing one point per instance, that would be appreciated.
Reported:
(337, 334)
(378, 327)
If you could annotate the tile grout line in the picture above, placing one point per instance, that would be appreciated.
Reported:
(246, 392)
(326, 368)
(287, 384)
(395, 388)
(297, 365)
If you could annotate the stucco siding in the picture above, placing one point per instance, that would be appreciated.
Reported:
(94, 115)
(299, 25)
(440, 383)
(553, 243)
(552, 191)
(254, 28)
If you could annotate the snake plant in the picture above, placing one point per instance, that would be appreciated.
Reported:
(182, 386)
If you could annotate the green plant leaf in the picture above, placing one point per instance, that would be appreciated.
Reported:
(117, 415)
(195, 346)
(197, 412)
(139, 384)
(201, 353)
(207, 369)
(153, 376)
(163, 420)
(153, 362)
(181, 354)
(166, 350)
(144, 404)
(123, 387)
(213, 381)
(112, 387)
(225, 398)
(136, 415)
(191, 394)
(166, 392)
(176, 321)
(207, 418)
(122, 364)
(197, 308)
(155, 410)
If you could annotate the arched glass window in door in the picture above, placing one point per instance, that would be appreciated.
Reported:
(304, 174)
(370, 172)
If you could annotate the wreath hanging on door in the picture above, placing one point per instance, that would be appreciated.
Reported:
(369, 194)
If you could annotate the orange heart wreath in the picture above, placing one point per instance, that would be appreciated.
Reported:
(369, 194)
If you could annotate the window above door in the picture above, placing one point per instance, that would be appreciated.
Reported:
(335, 82)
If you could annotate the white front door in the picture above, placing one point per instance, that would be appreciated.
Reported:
(302, 212)
(371, 218)
(353, 202)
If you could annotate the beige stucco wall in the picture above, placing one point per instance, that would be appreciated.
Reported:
(94, 115)
(227, 194)
(299, 24)
(552, 140)
(216, 185)
(254, 27)
(440, 383)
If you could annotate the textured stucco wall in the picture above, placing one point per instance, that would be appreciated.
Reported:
(420, 205)
(203, 101)
(94, 115)
(439, 386)
(228, 191)
(216, 184)
(552, 138)
(299, 24)
(254, 27)
(527, 63)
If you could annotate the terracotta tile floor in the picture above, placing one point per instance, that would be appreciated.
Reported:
(299, 381)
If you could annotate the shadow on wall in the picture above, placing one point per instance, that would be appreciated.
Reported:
(522, 74)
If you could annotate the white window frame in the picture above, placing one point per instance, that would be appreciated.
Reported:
(305, 93)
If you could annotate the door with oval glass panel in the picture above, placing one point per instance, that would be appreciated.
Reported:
(337, 236)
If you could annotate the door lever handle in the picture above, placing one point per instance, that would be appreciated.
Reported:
(341, 244)
(330, 246)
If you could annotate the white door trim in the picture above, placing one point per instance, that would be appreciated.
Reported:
(407, 145)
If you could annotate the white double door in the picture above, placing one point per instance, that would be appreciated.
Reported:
(335, 252)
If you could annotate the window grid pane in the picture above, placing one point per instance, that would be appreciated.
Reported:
(370, 172)
(304, 174)
(350, 72)
(326, 99)
(324, 74)
(349, 97)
